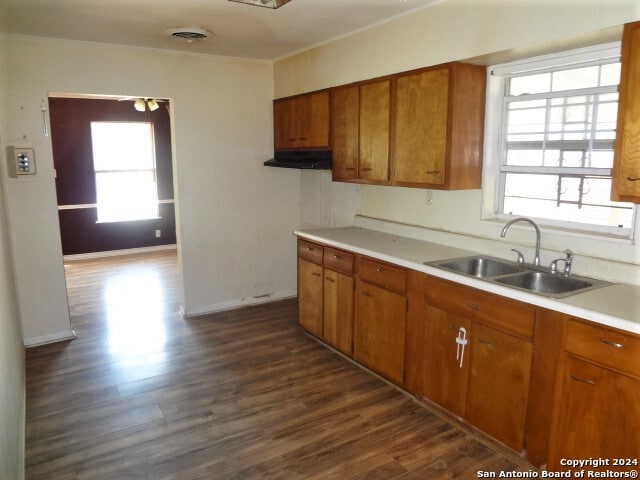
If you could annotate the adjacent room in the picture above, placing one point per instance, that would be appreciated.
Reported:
(285, 239)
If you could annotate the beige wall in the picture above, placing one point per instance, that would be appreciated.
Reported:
(455, 30)
(235, 216)
(12, 366)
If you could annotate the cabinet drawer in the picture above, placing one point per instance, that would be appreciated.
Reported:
(609, 347)
(310, 251)
(338, 260)
(383, 274)
(488, 308)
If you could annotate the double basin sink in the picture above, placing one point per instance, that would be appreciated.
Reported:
(533, 280)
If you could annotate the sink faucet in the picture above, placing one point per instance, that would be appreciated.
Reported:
(536, 258)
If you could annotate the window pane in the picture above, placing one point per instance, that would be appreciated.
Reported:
(126, 195)
(530, 84)
(610, 74)
(122, 146)
(575, 78)
(568, 198)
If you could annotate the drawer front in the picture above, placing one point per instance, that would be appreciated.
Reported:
(485, 307)
(612, 348)
(310, 251)
(383, 274)
(338, 260)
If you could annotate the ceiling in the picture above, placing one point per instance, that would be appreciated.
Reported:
(240, 30)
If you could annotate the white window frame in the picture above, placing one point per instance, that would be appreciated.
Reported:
(495, 143)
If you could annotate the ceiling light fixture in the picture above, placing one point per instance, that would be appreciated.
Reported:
(141, 104)
(263, 3)
(189, 34)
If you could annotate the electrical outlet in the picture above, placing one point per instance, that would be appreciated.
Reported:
(158, 233)
(428, 197)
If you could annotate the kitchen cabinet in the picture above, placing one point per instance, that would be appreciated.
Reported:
(338, 302)
(598, 395)
(499, 384)
(379, 327)
(325, 294)
(310, 286)
(438, 130)
(625, 184)
(360, 119)
(301, 121)
(499, 355)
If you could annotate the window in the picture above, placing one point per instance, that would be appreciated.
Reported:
(124, 164)
(557, 123)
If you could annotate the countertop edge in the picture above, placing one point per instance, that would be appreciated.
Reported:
(558, 305)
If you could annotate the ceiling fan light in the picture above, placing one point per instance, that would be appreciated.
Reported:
(153, 105)
(263, 3)
(139, 105)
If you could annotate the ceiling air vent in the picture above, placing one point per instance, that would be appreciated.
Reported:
(189, 34)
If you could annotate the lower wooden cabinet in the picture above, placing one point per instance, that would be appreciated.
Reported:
(338, 310)
(598, 414)
(379, 330)
(310, 297)
(499, 384)
(448, 358)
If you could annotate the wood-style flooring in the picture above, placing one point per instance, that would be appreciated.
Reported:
(145, 394)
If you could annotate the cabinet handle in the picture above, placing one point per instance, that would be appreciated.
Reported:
(366, 169)
(330, 279)
(337, 257)
(487, 342)
(612, 344)
(582, 380)
(311, 249)
(472, 306)
(302, 138)
(367, 294)
(433, 172)
(381, 270)
(316, 274)
(633, 179)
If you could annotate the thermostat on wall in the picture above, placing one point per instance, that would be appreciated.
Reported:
(21, 161)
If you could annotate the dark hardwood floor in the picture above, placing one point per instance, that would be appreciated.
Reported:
(244, 394)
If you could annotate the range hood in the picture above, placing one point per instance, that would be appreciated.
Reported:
(303, 159)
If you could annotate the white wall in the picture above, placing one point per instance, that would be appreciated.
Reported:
(456, 30)
(12, 366)
(235, 217)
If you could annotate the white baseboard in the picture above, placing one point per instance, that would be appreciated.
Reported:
(231, 304)
(49, 338)
(118, 253)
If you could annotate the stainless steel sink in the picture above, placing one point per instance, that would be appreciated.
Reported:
(550, 284)
(480, 267)
(523, 277)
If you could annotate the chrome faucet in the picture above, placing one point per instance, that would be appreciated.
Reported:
(536, 258)
(567, 263)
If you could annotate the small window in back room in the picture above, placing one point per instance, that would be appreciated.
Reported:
(125, 171)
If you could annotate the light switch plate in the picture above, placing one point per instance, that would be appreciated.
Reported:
(21, 161)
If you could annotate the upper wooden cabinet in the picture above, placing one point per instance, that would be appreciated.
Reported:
(301, 122)
(626, 165)
(438, 130)
(360, 120)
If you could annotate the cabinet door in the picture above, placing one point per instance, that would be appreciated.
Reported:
(284, 125)
(310, 296)
(499, 384)
(598, 414)
(420, 129)
(374, 131)
(345, 116)
(313, 120)
(379, 330)
(447, 362)
(626, 169)
(338, 310)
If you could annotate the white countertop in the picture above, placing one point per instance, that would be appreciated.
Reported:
(615, 305)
